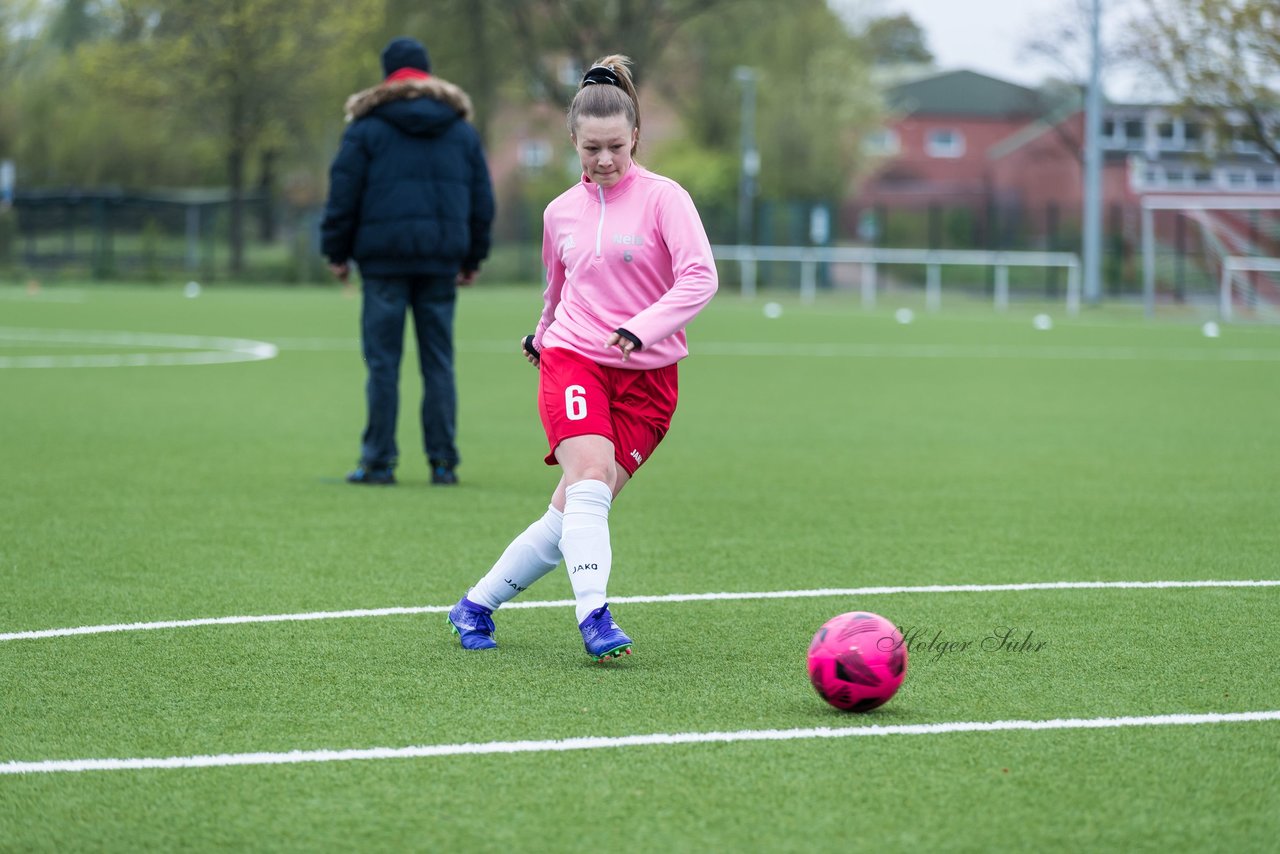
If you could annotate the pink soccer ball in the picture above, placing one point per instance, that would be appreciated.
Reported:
(857, 661)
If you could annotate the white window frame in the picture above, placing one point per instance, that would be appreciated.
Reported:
(883, 142)
(952, 148)
(535, 153)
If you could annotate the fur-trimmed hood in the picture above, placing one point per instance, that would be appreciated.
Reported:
(409, 189)
(436, 89)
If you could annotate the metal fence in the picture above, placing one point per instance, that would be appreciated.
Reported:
(869, 262)
(113, 234)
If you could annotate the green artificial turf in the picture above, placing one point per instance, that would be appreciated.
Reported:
(829, 448)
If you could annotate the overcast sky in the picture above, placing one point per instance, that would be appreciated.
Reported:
(989, 36)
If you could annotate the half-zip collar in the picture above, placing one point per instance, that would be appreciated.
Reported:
(605, 196)
(600, 224)
(598, 192)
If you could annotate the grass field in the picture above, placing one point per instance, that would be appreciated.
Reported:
(817, 456)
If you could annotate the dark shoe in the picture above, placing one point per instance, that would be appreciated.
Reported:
(372, 476)
(442, 474)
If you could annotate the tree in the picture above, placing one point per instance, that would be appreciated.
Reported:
(254, 75)
(15, 20)
(816, 100)
(62, 122)
(896, 40)
(1221, 58)
(462, 38)
(1062, 39)
(814, 94)
(581, 30)
(548, 43)
(73, 23)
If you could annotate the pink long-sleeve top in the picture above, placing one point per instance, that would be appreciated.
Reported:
(634, 256)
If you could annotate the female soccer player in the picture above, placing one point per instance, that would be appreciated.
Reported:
(628, 266)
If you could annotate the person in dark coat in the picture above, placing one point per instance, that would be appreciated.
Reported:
(411, 203)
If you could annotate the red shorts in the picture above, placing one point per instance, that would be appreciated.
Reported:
(577, 397)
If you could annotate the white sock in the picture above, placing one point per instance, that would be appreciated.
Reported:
(585, 543)
(529, 557)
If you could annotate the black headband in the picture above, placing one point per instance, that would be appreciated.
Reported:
(603, 75)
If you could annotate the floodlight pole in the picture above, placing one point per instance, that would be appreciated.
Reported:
(1093, 164)
(746, 78)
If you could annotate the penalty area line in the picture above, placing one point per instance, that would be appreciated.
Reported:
(828, 592)
(295, 757)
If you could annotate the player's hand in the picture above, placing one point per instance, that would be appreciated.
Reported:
(466, 277)
(340, 271)
(529, 352)
(626, 345)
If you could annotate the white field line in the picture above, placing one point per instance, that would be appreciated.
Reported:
(328, 344)
(992, 351)
(293, 757)
(219, 350)
(878, 351)
(193, 349)
(829, 592)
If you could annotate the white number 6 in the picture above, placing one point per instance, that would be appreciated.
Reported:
(575, 403)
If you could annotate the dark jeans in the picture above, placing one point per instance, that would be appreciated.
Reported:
(431, 298)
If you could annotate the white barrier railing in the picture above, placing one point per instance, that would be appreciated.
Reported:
(1232, 264)
(933, 260)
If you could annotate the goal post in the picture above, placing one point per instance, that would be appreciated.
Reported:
(1233, 264)
(1184, 205)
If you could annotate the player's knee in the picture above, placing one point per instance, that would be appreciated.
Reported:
(605, 472)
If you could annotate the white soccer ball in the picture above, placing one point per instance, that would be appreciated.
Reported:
(904, 316)
(1210, 329)
(1043, 322)
(772, 310)
(192, 290)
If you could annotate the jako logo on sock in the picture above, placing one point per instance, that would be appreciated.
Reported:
(582, 566)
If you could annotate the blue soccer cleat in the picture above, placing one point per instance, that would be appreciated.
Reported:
(473, 624)
(602, 637)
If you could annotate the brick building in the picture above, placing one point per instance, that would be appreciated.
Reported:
(1010, 159)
